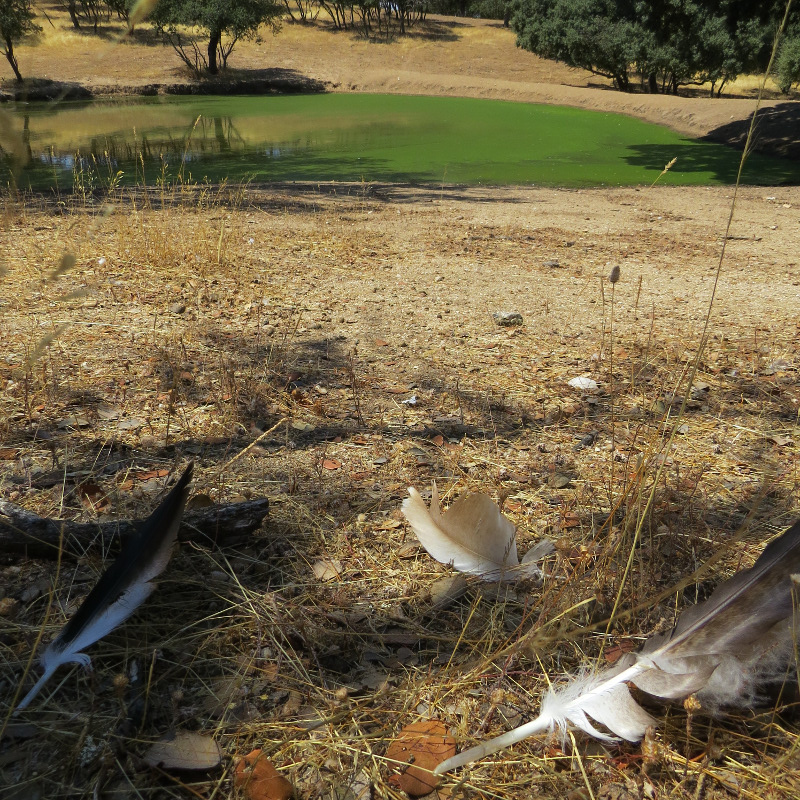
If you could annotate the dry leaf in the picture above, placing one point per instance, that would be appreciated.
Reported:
(779, 440)
(292, 705)
(409, 550)
(107, 413)
(614, 653)
(327, 569)
(92, 496)
(570, 520)
(419, 748)
(76, 421)
(303, 427)
(259, 779)
(184, 750)
(331, 463)
(201, 500)
(153, 473)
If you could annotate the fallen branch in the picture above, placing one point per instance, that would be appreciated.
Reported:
(23, 533)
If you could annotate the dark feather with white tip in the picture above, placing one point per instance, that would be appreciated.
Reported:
(121, 589)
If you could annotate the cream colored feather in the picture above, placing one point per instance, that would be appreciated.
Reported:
(472, 535)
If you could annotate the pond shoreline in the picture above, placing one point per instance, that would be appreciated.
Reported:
(776, 133)
(38, 90)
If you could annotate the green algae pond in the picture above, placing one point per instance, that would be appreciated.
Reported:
(355, 137)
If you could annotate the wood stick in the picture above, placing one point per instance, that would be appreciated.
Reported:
(23, 533)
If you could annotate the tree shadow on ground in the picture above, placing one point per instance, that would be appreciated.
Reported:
(118, 33)
(776, 131)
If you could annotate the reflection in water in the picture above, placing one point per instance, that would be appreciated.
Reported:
(207, 138)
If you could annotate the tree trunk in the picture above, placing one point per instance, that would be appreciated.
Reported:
(12, 59)
(213, 45)
(73, 13)
(652, 83)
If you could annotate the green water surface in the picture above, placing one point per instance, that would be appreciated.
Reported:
(357, 137)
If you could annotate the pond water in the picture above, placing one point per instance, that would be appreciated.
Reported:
(356, 137)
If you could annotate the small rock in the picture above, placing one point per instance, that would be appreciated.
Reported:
(30, 593)
(584, 384)
(552, 263)
(559, 480)
(587, 441)
(178, 308)
(507, 319)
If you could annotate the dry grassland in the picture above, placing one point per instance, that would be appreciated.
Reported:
(333, 310)
(358, 319)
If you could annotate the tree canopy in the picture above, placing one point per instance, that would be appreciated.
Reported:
(668, 43)
(234, 19)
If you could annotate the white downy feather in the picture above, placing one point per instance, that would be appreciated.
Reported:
(472, 535)
(722, 649)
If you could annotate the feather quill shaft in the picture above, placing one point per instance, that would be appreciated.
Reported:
(121, 589)
(720, 648)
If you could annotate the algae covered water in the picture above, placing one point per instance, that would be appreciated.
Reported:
(360, 137)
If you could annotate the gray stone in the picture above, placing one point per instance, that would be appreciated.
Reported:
(507, 318)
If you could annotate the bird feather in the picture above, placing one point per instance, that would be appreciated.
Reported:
(121, 589)
(473, 535)
(721, 649)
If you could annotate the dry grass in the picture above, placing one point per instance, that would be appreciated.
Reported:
(348, 300)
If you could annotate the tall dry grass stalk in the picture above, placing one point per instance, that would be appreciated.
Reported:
(691, 373)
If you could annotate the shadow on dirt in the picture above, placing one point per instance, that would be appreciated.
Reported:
(775, 131)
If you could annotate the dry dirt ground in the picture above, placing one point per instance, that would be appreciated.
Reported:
(354, 325)
(365, 321)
